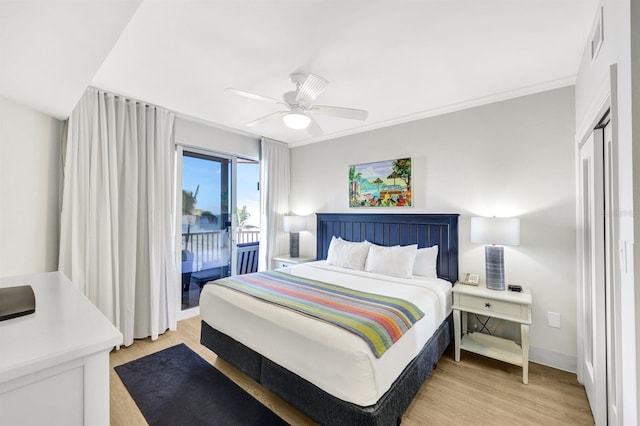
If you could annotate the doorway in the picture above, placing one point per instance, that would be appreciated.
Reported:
(220, 204)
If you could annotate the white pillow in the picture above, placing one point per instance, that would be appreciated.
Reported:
(347, 254)
(426, 260)
(396, 261)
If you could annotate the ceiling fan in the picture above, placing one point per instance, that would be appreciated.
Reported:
(300, 107)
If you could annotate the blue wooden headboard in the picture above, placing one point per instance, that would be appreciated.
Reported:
(392, 229)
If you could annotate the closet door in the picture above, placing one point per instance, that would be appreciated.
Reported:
(591, 251)
(612, 281)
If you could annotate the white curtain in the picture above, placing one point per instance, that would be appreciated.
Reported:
(274, 200)
(117, 227)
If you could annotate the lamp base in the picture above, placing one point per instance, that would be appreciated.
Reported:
(294, 244)
(494, 259)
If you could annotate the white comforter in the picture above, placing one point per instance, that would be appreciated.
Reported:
(335, 360)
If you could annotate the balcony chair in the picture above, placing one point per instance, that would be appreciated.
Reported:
(247, 258)
(247, 262)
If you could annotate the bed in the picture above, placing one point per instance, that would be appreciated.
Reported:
(325, 371)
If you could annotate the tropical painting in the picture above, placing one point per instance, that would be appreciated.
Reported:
(381, 184)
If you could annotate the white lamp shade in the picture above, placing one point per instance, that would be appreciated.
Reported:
(296, 120)
(294, 223)
(504, 231)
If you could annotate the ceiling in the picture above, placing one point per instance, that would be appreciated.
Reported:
(401, 60)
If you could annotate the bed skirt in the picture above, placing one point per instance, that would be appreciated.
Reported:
(318, 404)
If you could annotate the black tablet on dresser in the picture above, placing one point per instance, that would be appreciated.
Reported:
(16, 302)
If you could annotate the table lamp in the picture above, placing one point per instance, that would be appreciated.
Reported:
(293, 225)
(495, 232)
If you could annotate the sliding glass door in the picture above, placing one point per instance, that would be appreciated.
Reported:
(206, 251)
(220, 208)
(248, 201)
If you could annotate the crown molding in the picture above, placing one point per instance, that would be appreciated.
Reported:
(472, 103)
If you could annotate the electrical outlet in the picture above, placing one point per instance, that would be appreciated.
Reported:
(553, 319)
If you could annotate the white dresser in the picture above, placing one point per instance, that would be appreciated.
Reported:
(54, 364)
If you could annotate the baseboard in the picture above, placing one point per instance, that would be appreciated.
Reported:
(553, 359)
(187, 313)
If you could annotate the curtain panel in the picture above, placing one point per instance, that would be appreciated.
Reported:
(117, 241)
(274, 200)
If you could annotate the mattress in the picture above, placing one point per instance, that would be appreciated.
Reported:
(335, 360)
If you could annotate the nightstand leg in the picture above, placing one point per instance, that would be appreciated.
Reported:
(524, 335)
(456, 334)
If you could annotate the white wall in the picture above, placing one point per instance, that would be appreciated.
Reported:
(512, 158)
(197, 134)
(29, 190)
(621, 20)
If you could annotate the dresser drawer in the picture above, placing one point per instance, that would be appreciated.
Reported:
(490, 306)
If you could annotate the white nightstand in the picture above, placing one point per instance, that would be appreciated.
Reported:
(505, 305)
(284, 260)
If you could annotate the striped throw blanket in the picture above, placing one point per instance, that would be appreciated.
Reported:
(379, 320)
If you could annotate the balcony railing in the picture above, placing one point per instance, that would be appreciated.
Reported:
(246, 236)
(211, 248)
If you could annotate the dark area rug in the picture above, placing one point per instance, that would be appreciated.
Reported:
(177, 387)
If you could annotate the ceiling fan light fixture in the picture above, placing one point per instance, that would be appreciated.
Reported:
(296, 120)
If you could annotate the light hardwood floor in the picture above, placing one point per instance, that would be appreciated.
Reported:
(476, 391)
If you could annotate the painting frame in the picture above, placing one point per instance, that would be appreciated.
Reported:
(381, 184)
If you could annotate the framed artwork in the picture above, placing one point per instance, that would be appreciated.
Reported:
(381, 184)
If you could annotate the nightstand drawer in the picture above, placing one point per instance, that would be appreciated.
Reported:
(285, 261)
(282, 264)
(490, 306)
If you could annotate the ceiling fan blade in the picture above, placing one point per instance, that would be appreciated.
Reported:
(266, 118)
(314, 129)
(254, 96)
(311, 88)
(350, 113)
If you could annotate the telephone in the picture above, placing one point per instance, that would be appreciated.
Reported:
(470, 279)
